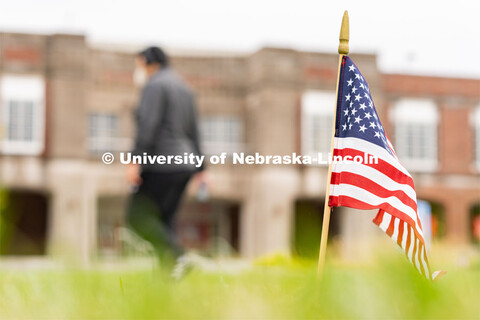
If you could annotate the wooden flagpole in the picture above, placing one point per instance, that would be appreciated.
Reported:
(342, 50)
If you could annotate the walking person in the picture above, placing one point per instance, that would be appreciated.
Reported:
(166, 125)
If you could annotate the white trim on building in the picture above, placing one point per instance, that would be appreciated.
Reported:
(416, 133)
(475, 120)
(318, 108)
(221, 133)
(103, 129)
(23, 114)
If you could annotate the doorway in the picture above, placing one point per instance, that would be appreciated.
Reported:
(23, 223)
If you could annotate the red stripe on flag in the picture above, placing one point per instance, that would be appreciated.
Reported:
(414, 253)
(400, 233)
(350, 202)
(409, 240)
(391, 227)
(426, 260)
(382, 166)
(379, 217)
(367, 184)
(420, 251)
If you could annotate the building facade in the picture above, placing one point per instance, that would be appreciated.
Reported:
(64, 103)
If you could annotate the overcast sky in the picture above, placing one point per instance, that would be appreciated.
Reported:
(421, 37)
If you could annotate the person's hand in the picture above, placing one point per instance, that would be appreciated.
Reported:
(202, 184)
(202, 178)
(133, 174)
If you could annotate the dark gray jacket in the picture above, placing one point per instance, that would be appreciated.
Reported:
(166, 121)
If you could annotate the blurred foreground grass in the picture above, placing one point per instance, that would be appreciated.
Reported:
(274, 288)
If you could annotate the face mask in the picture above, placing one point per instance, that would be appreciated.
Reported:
(139, 77)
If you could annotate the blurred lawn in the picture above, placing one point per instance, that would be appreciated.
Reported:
(275, 288)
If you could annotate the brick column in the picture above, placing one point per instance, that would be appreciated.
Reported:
(266, 217)
(457, 212)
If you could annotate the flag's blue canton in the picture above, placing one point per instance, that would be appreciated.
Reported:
(356, 114)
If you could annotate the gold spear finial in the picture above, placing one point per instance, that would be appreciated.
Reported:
(344, 35)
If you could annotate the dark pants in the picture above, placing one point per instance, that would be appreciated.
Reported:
(152, 208)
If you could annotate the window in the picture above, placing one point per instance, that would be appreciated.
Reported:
(415, 122)
(102, 133)
(476, 134)
(318, 108)
(23, 114)
(221, 134)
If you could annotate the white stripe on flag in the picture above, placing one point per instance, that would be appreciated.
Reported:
(376, 176)
(396, 222)
(385, 222)
(424, 263)
(412, 244)
(415, 253)
(374, 200)
(405, 233)
(370, 148)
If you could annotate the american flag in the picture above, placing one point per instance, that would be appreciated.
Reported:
(385, 185)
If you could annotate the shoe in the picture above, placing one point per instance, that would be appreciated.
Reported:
(183, 266)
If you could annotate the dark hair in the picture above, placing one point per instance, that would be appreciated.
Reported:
(154, 55)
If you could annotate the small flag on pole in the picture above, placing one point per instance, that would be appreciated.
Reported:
(384, 184)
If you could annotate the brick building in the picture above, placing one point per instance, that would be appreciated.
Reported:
(65, 102)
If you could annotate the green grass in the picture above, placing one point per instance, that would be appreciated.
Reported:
(274, 288)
